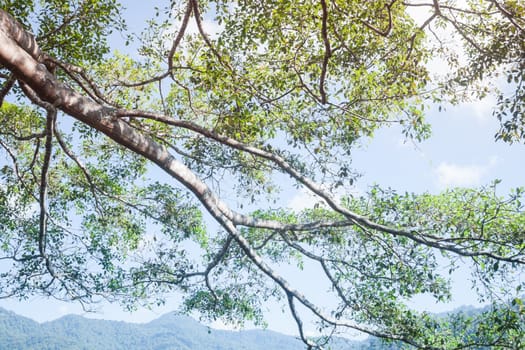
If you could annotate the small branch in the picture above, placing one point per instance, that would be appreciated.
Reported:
(266, 240)
(29, 137)
(298, 321)
(144, 82)
(92, 90)
(220, 255)
(35, 154)
(68, 20)
(12, 155)
(42, 235)
(180, 34)
(50, 121)
(6, 88)
(464, 35)
(216, 260)
(205, 37)
(327, 52)
(386, 32)
(82, 167)
(161, 95)
(508, 14)
(302, 83)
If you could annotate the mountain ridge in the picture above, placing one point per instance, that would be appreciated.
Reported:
(169, 331)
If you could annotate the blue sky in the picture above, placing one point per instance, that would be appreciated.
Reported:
(460, 152)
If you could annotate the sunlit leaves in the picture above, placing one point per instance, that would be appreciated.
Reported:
(77, 31)
(493, 36)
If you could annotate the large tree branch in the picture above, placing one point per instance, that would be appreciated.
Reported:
(14, 31)
(20, 54)
(352, 218)
(102, 118)
(106, 119)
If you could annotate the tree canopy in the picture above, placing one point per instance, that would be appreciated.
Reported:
(279, 93)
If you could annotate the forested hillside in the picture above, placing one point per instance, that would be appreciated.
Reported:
(167, 332)
(170, 331)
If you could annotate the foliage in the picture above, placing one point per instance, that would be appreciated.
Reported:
(116, 203)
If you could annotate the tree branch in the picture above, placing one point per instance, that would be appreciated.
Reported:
(327, 52)
(180, 35)
(50, 121)
(299, 322)
(10, 82)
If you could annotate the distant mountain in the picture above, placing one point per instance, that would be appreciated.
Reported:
(169, 332)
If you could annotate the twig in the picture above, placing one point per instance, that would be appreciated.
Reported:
(82, 167)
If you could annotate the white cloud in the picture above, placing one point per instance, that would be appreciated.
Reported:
(63, 310)
(482, 109)
(220, 325)
(303, 199)
(455, 175)
(419, 13)
(211, 28)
